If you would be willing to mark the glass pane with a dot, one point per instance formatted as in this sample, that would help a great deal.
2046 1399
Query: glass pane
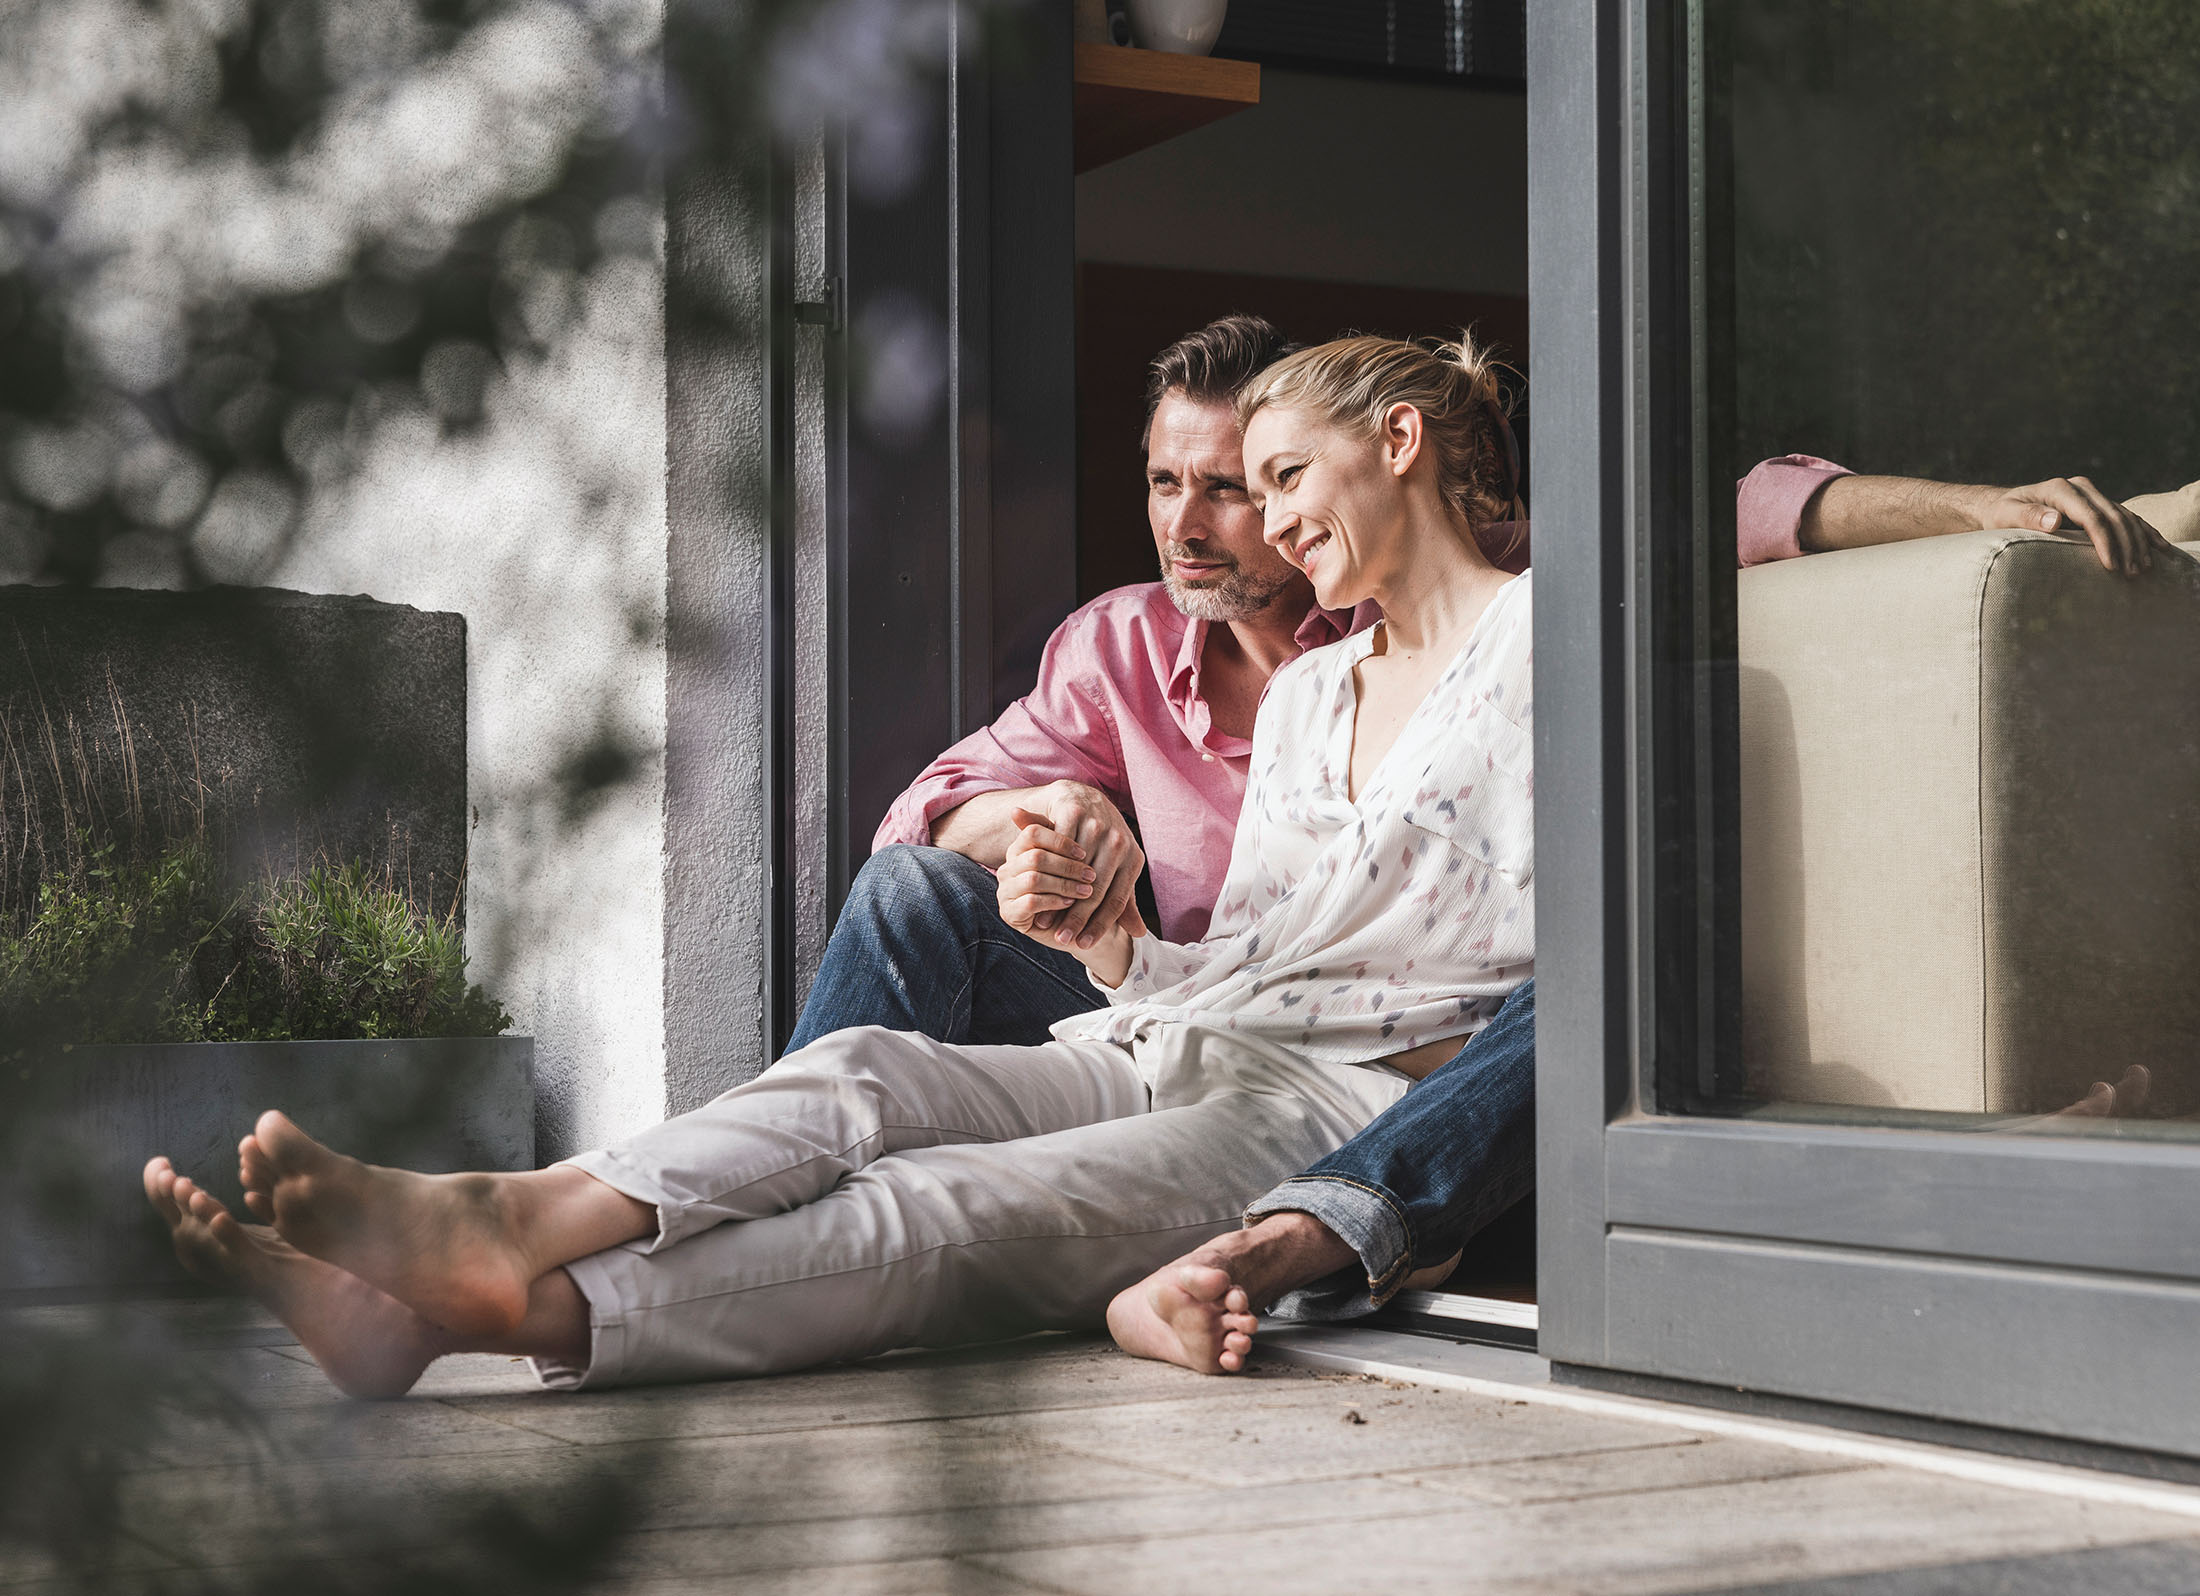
1955 248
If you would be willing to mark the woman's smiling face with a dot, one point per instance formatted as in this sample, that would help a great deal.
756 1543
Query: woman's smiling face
1331 503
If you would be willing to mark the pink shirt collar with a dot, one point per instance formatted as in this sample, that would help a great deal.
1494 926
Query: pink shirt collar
1321 627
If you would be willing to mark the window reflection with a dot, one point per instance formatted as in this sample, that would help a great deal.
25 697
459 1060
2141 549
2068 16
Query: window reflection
1953 249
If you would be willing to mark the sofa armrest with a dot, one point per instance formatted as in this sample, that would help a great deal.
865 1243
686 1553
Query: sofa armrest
1970 825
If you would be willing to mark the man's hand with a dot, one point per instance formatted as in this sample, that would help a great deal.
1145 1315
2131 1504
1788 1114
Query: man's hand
1086 818
1044 880
2075 508
985 827
1858 512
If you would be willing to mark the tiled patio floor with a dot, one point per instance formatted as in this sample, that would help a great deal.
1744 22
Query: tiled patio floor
1057 1465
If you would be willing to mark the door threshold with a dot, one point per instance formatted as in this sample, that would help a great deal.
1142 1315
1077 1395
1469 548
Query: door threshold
1461 1316
1512 1375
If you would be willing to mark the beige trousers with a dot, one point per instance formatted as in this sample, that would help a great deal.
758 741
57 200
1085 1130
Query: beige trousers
879 1189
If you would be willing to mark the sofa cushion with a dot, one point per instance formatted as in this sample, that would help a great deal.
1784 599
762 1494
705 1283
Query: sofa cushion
2175 515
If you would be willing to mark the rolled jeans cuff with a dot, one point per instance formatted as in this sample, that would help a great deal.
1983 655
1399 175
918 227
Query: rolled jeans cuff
1368 1220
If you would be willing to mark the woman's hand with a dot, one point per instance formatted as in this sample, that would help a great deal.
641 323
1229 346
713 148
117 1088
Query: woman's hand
1044 874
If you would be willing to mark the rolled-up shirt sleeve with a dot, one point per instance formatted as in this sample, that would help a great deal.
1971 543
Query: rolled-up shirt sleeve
1059 731
1769 505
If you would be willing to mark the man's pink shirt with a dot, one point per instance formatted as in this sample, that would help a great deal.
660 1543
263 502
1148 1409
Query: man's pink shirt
1118 706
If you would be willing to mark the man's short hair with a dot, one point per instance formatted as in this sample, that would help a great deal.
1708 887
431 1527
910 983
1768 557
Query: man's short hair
1209 366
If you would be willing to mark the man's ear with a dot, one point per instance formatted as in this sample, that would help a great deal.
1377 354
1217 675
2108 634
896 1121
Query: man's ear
1401 437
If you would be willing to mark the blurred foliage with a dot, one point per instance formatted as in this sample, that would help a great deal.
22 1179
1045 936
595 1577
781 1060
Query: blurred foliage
1964 235
150 952
244 245
238 237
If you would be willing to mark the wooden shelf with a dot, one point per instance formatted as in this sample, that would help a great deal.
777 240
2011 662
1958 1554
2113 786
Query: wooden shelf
1128 100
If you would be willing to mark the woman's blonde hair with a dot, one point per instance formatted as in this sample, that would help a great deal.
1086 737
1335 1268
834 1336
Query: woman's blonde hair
1353 382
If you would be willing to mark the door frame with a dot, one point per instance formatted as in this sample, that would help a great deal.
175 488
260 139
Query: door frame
2046 1285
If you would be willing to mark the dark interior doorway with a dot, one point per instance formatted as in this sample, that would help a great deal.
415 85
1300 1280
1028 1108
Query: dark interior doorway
1371 202
1366 202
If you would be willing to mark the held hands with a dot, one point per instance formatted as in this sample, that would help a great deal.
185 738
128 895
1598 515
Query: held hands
1101 840
1048 890
2075 508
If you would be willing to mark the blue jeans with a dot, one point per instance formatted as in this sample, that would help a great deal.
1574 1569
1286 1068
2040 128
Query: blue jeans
921 946
1450 1156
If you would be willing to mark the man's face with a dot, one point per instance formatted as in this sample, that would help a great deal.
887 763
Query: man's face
1214 561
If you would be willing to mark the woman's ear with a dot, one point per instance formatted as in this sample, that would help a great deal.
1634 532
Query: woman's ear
1401 437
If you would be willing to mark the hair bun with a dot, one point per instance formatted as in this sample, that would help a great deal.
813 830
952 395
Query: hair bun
1352 383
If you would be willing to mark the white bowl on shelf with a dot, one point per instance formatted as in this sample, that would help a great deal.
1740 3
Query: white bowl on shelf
1180 27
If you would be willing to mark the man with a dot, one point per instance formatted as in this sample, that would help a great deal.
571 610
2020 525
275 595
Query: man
1144 710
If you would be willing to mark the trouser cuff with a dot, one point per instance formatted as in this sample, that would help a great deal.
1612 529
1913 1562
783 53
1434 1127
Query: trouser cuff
1368 1220
626 1176
606 1332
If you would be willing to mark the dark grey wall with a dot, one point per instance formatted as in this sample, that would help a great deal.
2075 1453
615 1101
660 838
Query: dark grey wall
312 726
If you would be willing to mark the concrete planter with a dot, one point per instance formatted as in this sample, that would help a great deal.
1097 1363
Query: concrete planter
76 1220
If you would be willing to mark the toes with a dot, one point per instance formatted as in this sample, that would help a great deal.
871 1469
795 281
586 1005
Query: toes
1244 1323
204 1205
279 1138
255 1170
1203 1283
1237 1301
1238 1343
260 1205
160 1176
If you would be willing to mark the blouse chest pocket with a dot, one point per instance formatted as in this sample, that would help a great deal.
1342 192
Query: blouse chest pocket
1476 790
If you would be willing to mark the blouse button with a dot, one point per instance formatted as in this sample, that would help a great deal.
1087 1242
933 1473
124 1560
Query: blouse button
1209 758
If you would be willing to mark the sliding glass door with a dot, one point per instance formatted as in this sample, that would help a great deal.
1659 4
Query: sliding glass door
1869 902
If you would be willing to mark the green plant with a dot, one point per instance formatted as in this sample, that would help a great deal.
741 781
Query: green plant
153 952
107 955
334 953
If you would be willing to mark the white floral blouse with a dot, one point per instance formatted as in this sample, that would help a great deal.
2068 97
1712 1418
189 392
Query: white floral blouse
1349 930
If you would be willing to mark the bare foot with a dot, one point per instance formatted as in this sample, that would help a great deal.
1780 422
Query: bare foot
367 1342
1189 1313
443 1245
1433 1276
1200 1311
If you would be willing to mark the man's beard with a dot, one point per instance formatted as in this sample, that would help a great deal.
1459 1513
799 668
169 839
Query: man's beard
1234 595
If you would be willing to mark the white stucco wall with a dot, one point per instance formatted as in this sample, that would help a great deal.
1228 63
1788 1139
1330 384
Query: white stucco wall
544 524
546 530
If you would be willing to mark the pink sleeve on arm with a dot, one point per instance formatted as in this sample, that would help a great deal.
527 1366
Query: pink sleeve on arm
1769 505
1056 732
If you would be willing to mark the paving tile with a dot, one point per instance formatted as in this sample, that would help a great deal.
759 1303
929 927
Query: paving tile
1053 1372
1671 1465
876 1472
1167 1509
282 1435
2154 1568
1319 1429
20 1567
933 1577
1653 1544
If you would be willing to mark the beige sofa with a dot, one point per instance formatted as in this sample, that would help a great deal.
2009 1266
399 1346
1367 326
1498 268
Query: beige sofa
1971 823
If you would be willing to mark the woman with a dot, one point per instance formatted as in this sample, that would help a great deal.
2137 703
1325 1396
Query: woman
878 1189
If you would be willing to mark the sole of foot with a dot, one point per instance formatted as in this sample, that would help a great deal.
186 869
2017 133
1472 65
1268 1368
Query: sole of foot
368 1343
1188 1314
439 1244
